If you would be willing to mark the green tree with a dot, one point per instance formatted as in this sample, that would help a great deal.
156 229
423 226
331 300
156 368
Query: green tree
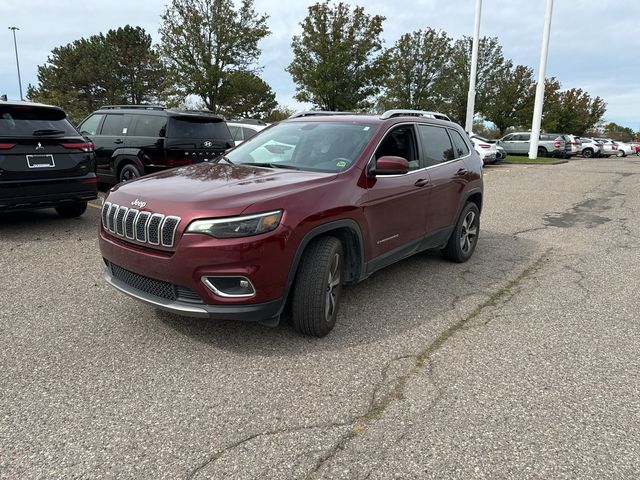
204 41
571 111
491 67
513 97
244 94
417 67
618 132
337 62
121 67
279 113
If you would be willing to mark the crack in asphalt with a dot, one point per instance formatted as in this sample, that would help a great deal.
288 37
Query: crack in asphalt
423 359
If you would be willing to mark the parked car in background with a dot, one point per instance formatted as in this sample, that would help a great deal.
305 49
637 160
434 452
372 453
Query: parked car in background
44 161
501 153
134 140
574 143
549 145
485 148
590 147
244 131
248 236
625 149
609 147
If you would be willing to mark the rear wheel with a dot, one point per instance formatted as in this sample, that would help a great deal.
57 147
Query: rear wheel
318 287
129 172
620 153
587 153
542 152
464 237
71 210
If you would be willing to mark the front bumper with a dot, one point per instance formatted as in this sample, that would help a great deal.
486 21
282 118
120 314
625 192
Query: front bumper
268 312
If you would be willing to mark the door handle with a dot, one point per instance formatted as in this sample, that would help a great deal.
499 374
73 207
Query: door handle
118 141
421 182
462 172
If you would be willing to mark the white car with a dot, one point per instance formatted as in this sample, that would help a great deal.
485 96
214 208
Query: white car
625 149
485 148
244 131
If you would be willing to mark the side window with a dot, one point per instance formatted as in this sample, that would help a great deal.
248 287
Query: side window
236 132
508 138
248 133
459 145
400 142
116 124
149 126
524 137
436 144
91 124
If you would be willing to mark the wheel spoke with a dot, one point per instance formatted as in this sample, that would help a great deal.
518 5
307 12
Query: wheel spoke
472 232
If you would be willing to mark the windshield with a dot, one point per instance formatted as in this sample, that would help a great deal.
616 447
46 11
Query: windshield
313 146
27 121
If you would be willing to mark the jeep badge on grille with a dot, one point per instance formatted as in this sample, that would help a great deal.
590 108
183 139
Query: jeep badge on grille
138 203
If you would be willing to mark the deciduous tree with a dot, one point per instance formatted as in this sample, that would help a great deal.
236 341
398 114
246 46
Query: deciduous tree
205 41
337 62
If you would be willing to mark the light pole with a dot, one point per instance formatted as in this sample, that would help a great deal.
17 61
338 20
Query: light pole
539 102
471 97
15 46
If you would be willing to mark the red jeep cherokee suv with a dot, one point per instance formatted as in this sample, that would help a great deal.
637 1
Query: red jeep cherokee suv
293 214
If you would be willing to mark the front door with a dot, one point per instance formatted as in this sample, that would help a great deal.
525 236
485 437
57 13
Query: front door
395 205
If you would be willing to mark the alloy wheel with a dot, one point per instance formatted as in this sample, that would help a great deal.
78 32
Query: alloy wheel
333 281
468 233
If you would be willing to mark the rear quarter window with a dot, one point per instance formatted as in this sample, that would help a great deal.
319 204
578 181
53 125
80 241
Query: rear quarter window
27 121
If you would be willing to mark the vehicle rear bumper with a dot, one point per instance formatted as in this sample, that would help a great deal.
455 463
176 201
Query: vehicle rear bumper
267 312
25 195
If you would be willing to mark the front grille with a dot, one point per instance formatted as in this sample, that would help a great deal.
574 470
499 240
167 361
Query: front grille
151 286
143 227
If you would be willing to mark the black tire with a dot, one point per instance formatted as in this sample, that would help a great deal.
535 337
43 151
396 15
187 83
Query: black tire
464 238
316 294
129 172
71 210
542 152
587 153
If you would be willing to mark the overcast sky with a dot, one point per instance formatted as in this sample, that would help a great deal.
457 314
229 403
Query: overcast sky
594 45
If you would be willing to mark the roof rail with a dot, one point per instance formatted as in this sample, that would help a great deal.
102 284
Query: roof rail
134 107
312 113
414 113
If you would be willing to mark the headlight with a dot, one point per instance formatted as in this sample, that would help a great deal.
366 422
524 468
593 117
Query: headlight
232 227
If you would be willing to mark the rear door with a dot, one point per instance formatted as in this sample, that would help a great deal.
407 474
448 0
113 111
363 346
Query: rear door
448 172
147 134
112 137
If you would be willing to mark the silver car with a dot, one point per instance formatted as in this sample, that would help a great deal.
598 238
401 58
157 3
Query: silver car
590 147
609 147
549 145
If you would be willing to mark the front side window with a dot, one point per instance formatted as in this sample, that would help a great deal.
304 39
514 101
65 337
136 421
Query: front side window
436 145
90 125
312 146
400 142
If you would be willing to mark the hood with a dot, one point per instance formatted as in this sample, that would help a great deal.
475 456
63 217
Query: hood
208 189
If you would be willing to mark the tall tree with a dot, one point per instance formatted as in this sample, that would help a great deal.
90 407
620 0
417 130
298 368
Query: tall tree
204 41
337 62
417 66
491 66
512 98
244 94
571 111
121 67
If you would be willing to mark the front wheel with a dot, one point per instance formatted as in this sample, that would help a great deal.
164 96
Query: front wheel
318 287
71 210
129 172
587 153
464 238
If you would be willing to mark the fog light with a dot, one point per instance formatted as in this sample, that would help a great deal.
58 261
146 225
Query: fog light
230 286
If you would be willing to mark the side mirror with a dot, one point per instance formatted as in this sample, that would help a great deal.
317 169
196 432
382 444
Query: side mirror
389 165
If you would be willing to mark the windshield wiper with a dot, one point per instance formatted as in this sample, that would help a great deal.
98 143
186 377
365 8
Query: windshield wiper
47 131
225 158
273 165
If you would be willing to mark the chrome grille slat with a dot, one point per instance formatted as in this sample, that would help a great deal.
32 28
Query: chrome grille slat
141 227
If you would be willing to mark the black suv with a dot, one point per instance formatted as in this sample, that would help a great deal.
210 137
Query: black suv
134 140
44 161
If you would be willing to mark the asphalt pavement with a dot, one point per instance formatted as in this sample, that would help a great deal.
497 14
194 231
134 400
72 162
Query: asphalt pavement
521 363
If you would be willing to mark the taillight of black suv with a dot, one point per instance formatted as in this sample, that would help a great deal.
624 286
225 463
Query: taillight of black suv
135 140
44 161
